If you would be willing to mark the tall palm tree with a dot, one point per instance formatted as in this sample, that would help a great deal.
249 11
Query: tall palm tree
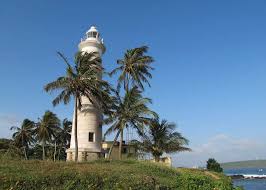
46 129
161 137
134 68
63 136
129 111
82 79
23 136
56 140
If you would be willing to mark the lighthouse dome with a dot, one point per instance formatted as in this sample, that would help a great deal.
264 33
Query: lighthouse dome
92 32
92 29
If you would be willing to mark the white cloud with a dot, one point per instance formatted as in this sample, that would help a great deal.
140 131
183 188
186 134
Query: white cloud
223 148
6 121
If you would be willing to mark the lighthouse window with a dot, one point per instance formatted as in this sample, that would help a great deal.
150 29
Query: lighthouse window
92 34
91 137
124 150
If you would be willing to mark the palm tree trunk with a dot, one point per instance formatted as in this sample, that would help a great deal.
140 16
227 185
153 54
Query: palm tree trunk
43 151
25 153
75 129
24 148
59 150
111 148
54 150
120 145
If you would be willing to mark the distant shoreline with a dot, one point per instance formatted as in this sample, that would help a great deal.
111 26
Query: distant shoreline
244 164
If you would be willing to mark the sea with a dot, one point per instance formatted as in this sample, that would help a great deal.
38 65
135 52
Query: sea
249 184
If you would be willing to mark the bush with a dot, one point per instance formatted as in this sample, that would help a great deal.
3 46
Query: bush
213 165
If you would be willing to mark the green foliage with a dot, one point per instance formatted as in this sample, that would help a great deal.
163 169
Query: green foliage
23 136
161 137
27 139
5 144
104 174
9 150
130 111
213 165
195 179
47 127
134 68
81 79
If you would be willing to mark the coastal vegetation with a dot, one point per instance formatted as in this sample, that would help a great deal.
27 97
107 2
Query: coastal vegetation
47 138
23 136
160 138
103 174
130 111
213 165
45 130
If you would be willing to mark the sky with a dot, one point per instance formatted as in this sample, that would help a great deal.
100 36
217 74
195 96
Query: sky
210 65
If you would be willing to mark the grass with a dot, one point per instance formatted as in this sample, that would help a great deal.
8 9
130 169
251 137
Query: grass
102 174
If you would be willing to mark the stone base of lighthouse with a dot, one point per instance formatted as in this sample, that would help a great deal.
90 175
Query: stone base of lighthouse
83 155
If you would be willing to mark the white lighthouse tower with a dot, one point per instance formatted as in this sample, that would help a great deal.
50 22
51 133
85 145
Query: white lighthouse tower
89 124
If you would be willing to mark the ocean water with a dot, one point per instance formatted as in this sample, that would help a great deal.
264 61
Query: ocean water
249 184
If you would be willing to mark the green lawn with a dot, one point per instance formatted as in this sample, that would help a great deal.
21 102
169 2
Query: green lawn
105 175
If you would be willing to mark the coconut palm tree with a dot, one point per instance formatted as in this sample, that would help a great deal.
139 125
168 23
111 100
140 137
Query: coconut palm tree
46 129
23 136
63 136
134 68
82 79
129 111
160 138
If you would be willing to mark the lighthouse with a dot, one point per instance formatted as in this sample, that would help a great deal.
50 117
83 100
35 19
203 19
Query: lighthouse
89 123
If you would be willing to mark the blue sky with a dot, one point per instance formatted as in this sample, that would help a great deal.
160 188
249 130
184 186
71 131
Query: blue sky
210 75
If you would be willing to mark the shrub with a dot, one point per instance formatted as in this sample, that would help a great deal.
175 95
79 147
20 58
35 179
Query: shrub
213 165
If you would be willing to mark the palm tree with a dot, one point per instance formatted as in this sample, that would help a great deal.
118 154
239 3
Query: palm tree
129 111
134 68
23 136
63 136
56 140
161 138
82 79
46 129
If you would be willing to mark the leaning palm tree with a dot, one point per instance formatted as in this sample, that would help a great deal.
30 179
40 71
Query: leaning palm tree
161 138
46 129
135 68
129 111
23 136
81 80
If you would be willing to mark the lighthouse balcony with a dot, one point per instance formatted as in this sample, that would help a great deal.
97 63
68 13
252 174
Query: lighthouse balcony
94 39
